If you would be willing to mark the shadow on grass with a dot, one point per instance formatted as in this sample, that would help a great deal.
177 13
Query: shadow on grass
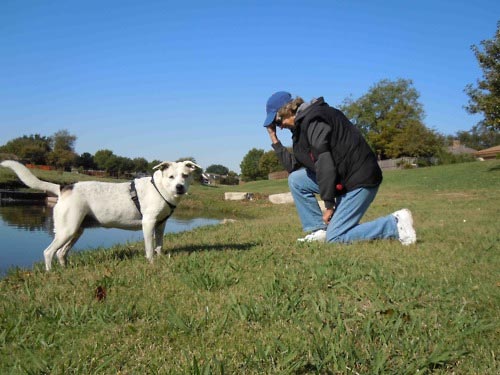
121 253
495 168
221 247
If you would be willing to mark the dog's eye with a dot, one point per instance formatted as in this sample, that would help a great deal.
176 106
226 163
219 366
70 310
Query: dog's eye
171 177
185 175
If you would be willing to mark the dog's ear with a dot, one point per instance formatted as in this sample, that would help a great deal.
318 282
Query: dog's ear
191 165
163 165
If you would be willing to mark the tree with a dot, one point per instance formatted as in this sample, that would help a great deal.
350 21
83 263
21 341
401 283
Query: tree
34 148
153 163
62 140
384 112
119 165
63 154
217 169
415 141
85 161
485 98
250 165
104 159
140 165
269 163
123 166
230 179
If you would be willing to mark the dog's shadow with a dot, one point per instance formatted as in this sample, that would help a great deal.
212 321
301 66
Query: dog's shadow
494 168
219 247
129 251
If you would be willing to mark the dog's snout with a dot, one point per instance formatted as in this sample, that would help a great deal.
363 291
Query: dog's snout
180 189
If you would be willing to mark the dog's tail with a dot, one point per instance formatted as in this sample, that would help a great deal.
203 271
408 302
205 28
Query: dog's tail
29 179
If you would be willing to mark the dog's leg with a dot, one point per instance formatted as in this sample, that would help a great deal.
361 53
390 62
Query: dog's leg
148 228
159 230
62 253
66 226
59 241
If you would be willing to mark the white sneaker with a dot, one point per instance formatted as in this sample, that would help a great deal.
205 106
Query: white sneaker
319 235
407 235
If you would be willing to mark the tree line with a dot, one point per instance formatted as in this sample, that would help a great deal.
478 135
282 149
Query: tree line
389 115
57 151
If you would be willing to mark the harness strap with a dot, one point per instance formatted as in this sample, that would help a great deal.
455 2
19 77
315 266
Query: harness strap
135 199
172 206
133 195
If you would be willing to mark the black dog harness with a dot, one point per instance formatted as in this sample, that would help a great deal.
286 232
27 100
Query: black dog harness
135 199
133 195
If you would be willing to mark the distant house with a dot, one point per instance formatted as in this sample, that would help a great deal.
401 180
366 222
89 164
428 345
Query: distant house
458 149
205 179
211 178
489 153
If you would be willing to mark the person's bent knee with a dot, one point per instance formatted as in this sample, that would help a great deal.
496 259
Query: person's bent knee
295 179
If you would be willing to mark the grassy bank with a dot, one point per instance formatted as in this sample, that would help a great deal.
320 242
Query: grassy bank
244 297
8 179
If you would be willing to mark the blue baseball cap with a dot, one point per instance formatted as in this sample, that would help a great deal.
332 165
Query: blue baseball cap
274 103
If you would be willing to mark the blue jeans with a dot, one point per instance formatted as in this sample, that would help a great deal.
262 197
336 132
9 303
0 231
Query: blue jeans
344 226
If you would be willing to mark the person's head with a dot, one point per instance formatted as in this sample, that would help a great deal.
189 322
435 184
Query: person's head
285 117
280 106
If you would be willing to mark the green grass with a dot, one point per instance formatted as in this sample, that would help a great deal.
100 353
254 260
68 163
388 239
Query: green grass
246 298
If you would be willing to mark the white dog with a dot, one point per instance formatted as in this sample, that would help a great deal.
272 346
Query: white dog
144 203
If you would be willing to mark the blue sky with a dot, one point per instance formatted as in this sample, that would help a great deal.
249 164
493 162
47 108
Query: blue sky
165 80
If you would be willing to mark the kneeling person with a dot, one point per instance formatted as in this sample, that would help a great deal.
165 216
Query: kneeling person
331 158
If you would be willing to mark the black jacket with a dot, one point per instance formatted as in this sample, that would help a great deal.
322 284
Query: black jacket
328 144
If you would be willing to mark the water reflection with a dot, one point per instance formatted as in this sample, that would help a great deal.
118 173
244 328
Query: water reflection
26 229
27 216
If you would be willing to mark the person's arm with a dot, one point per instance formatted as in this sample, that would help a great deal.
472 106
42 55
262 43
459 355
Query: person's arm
271 130
284 156
319 136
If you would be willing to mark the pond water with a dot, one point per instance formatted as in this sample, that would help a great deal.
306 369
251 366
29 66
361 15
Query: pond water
27 229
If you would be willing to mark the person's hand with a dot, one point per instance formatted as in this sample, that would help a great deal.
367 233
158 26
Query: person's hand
327 215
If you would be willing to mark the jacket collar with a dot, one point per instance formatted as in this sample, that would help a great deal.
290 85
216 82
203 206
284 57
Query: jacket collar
305 108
